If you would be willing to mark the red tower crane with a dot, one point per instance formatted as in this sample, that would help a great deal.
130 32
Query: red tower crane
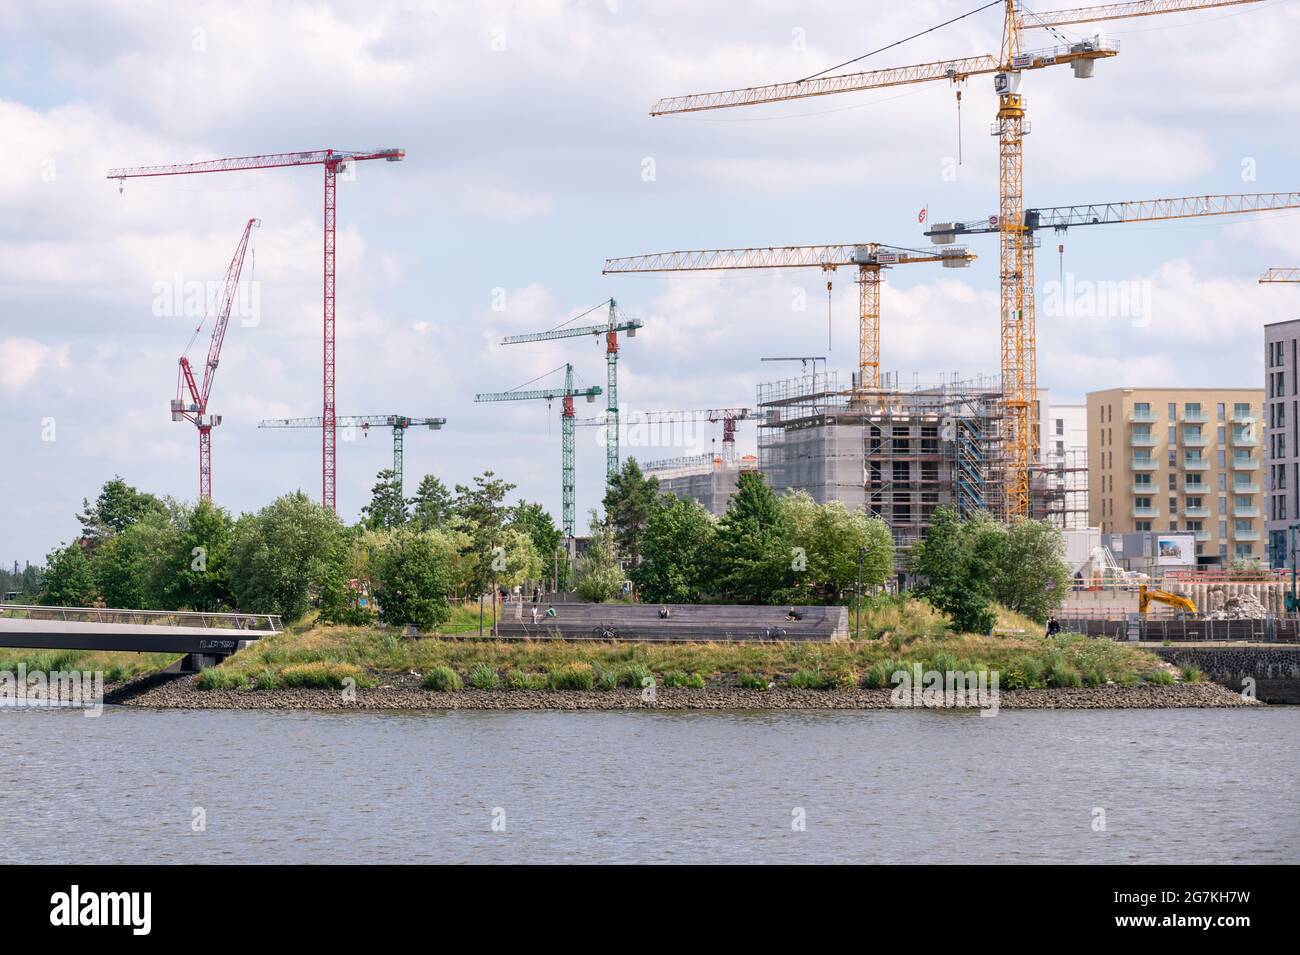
196 409
333 160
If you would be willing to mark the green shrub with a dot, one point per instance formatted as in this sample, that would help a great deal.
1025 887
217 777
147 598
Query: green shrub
443 679
1060 674
320 674
607 680
808 680
268 679
484 677
573 676
676 679
1160 677
1191 672
635 675
841 678
522 680
880 675
753 681
1094 675
215 678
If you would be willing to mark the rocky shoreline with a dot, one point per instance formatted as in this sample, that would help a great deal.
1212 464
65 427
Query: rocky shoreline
169 691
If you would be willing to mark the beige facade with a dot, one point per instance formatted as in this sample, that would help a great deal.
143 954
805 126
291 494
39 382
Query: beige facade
1183 459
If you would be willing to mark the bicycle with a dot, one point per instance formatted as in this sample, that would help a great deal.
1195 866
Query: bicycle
777 633
604 632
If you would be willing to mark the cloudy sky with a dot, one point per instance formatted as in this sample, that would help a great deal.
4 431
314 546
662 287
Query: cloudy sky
531 157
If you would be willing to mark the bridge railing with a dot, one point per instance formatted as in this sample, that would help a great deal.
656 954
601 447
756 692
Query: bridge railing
260 622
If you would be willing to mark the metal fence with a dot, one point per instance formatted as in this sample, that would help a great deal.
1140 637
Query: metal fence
261 622
1188 629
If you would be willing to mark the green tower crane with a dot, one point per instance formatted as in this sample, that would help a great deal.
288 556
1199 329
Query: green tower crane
399 424
567 394
610 330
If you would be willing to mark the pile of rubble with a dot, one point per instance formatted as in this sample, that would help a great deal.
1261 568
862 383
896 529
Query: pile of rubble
1243 607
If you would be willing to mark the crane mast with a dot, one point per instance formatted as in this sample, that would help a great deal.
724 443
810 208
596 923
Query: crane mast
195 410
567 443
610 332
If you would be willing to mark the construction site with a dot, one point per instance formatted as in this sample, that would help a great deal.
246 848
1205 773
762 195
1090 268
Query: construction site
983 443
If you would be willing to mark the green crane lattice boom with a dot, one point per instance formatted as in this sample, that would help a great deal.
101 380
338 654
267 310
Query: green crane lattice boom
567 394
610 330
399 424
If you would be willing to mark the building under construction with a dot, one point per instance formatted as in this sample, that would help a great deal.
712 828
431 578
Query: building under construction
709 479
897 453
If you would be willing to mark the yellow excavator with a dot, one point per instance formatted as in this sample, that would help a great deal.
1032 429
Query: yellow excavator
1178 601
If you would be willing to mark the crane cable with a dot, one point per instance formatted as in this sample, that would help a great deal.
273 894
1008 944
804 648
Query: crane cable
939 26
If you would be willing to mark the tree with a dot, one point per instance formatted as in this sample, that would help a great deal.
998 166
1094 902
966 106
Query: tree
1032 577
387 507
412 582
956 565
279 555
831 539
346 579
630 500
537 523
137 567
753 559
197 564
68 579
432 505
676 550
599 578
117 507
481 513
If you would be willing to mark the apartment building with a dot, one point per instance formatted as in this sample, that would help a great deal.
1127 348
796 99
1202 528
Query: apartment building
1179 459
1281 439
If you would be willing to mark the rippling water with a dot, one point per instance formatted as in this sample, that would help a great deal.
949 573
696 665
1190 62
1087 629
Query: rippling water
1176 786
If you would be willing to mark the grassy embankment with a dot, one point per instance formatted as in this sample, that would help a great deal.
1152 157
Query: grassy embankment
895 635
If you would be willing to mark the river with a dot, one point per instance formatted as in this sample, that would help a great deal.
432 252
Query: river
141 786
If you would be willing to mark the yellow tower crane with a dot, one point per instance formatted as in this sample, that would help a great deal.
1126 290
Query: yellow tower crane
869 257
1017 321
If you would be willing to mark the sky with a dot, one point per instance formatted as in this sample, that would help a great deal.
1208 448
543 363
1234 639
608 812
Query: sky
530 158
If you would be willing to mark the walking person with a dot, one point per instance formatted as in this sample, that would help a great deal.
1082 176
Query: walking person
1053 625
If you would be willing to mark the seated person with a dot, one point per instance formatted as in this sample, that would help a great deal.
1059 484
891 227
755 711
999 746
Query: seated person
664 613
793 614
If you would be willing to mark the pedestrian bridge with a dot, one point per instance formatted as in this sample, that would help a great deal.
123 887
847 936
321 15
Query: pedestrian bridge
204 636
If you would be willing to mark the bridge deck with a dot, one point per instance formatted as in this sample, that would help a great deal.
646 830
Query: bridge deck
89 628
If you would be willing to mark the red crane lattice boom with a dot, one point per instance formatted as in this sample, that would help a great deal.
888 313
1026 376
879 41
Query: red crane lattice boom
332 160
196 410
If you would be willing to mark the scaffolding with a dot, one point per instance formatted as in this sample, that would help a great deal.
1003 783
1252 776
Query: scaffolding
707 479
895 453
1060 489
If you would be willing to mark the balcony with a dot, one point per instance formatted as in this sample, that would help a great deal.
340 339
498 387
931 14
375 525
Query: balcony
1245 535
1245 464
1245 512
1195 440
1144 464
1195 416
1145 511
1202 536
1196 464
1145 488
1197 511
1245 488
1142 440
1142 416
1245 439
1242 417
